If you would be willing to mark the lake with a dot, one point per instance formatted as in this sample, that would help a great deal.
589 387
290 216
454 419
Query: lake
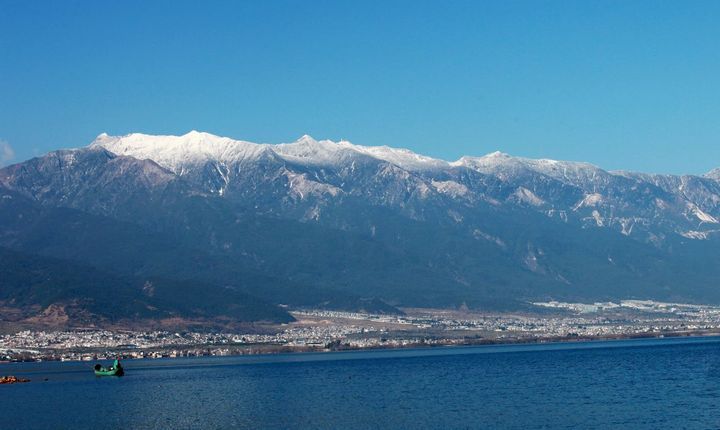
634 384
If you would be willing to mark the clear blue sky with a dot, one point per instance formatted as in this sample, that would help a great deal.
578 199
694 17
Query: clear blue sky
623 84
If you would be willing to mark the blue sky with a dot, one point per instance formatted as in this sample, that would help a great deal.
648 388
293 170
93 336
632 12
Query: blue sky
623 84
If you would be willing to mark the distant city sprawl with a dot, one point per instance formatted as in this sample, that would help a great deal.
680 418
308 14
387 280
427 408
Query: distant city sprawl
322 330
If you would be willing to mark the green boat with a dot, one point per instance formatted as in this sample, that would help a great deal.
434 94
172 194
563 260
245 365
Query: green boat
115 370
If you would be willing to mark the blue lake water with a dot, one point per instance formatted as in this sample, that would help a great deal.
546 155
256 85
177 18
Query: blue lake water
638 384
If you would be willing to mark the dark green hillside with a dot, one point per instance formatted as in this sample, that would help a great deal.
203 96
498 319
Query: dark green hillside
31 280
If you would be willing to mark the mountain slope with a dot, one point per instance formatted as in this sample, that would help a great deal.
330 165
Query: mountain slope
84 294
320 223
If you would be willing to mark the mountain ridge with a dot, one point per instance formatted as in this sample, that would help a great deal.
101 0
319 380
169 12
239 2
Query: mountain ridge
591 180
402 157
138 144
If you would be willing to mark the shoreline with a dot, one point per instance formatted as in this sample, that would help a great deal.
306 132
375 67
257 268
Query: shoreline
226 350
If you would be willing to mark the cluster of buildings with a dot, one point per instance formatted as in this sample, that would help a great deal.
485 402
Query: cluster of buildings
331 330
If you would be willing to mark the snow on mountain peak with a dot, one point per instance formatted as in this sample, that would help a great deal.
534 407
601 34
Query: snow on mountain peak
402 157
178 153
492 158
497 154
713 174
306 138
329 152
181 153
504 166
311 151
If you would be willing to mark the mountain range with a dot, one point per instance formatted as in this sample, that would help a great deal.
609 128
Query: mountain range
207 227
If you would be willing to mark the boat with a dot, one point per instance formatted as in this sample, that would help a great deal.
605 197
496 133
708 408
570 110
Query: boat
115 370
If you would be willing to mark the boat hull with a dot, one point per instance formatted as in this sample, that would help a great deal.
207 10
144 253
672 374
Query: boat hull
104 371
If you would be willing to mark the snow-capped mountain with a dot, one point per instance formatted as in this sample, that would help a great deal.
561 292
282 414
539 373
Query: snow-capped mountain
344 220
646 206
193 148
